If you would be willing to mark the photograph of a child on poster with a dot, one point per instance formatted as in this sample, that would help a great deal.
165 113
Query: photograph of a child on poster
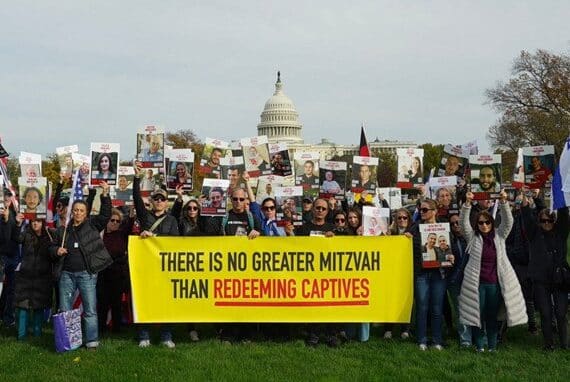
375 221
485 176
256 156
33 197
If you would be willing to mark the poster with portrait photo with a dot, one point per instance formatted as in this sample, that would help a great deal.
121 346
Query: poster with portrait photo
307 172
333 179
256 156
2 206
289 205
454 161
364 177
33 197
30 165
280 159
122 192
436 247
233 169
104 163
410 167
392 196
83 164
266 186
375 221
65 160
470 147
215 192
180 169
535 167
150 147
214 149
485 176
443 190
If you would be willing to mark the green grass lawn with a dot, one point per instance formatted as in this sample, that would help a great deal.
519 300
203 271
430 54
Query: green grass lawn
119 359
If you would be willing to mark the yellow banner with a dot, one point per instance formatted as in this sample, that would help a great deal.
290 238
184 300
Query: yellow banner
271 279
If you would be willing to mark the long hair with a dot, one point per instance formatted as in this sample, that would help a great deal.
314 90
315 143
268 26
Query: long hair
394 226
487 216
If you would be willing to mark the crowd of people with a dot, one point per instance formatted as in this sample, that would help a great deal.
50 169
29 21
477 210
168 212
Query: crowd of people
506 262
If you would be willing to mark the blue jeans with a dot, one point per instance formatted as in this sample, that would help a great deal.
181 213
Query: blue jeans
430 291
69 282
463 331
490 299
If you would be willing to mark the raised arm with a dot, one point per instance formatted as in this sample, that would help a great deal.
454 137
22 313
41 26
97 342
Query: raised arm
464 217
506 225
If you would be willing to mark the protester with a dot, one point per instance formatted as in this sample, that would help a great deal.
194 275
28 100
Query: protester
489 279
548 251
82 255
156 222
430 284
11 257
34 278
114 281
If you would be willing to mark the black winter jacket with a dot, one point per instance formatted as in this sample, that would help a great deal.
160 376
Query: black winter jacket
168 226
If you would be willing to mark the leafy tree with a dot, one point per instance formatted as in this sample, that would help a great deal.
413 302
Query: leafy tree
387 168
432 157
534 104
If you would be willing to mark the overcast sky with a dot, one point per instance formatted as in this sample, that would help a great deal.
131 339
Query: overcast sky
75 72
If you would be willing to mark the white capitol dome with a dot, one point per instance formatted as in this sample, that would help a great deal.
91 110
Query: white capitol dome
279 119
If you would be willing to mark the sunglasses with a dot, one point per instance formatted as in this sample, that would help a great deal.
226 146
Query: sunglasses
307 202
402 218
339 220
159 199
425 210
484 222
238 199
193 208
114 220
268 208
319 208
454 223
546 221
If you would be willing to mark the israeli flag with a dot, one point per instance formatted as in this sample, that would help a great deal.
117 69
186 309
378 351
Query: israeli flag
561 180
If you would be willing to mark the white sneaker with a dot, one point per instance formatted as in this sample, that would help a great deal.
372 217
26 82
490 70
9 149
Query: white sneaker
194 336
423 347
388 335
405 335
438 347
144 343
169 344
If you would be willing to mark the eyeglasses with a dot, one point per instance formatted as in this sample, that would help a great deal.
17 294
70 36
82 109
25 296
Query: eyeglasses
546 221
402 218
115 220
268 208
339 220
319 208
425 210
159 199
484 222
238 199
193 208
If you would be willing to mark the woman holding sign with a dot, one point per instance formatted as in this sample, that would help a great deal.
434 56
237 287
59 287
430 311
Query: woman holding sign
430 283
489 279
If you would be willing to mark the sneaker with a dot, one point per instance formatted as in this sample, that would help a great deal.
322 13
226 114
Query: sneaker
194 336
423 347
169 344
144 343
388 335
92 345
492 350
405 335
480 350
438 347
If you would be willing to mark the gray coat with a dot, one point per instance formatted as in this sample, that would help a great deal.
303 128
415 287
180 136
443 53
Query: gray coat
469 310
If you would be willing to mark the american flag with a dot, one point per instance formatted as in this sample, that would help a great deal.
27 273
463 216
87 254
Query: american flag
77 195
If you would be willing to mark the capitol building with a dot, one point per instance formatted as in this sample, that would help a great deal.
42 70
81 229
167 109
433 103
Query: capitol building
280 123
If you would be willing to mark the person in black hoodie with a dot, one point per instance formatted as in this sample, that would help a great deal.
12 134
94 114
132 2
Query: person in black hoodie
82 255
547 238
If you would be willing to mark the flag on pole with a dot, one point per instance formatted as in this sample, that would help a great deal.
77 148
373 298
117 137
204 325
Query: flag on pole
561 180
77 195
364 148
